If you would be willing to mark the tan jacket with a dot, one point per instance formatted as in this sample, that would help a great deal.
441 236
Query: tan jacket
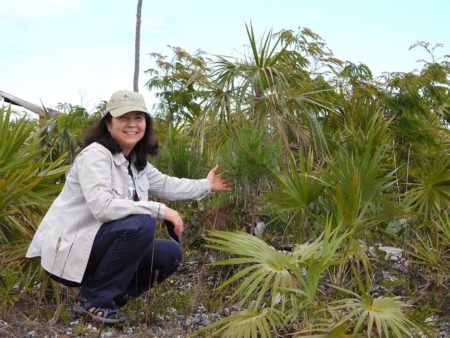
95 192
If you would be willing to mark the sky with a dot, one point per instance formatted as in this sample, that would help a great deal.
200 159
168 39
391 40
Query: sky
81 51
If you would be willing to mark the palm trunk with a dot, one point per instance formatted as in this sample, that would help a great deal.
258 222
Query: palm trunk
137 47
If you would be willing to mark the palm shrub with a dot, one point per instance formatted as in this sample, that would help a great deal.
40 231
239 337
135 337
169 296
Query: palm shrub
353 188
28 184
275 84
361 194
275 286
283 291
384 316
356 182
429 192
296 196
359 173
358 309
369 156
248 155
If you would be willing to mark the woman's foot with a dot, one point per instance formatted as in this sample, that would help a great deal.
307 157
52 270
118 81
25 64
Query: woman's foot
101 314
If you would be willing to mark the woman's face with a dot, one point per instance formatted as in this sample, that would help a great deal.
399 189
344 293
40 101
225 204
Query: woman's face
127 130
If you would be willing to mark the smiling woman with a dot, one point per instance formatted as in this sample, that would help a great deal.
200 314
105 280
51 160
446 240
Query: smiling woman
99 233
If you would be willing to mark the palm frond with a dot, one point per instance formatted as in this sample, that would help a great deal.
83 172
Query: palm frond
297 186
384 315
28 179
270 269
362 174
273 273
431 194
248 323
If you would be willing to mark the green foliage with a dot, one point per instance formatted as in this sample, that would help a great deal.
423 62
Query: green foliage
63 134
419 103
432 254
28 180
298 188
371 156
177 157
443 226
14 279
281 283
312 144
179 85
361 177
384 315
430 194
247 156
248 323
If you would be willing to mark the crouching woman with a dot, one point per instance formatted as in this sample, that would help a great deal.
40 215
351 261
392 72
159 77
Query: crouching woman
99 233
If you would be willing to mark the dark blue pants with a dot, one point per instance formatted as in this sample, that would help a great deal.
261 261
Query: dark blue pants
125 261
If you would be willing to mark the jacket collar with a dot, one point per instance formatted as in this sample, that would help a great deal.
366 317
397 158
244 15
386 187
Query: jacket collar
119 159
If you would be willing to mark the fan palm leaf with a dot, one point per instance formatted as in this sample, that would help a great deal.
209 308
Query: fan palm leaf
296 187
248 323
430 195
269 269
362 175
384 315
280 274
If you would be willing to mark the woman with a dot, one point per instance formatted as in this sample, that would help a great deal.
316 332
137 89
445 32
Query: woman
99 233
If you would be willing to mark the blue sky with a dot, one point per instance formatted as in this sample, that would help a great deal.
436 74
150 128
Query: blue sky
80 51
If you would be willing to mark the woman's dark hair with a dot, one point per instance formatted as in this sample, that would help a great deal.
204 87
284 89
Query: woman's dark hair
147 146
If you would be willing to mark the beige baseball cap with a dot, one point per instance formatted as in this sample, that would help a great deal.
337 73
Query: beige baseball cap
125 101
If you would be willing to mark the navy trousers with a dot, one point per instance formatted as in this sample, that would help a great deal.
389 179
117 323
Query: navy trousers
125 261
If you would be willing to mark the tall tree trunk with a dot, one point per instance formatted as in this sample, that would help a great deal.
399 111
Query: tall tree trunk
137 47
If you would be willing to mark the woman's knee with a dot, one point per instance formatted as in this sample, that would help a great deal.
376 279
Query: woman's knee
168 255
142 223
142 226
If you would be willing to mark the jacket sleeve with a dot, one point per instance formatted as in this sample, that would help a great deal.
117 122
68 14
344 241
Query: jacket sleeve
173 188
94 174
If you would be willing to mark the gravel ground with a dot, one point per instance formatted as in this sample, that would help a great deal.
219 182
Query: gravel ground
169 323
176 315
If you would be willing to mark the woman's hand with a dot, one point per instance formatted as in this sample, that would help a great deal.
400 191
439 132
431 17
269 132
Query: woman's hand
174 217
218 183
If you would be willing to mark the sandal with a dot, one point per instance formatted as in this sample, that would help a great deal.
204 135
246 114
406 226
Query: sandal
105 315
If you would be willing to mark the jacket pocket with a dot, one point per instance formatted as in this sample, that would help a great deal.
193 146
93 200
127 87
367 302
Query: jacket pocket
142 187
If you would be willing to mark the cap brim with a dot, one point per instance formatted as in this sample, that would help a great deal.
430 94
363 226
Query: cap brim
123 110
